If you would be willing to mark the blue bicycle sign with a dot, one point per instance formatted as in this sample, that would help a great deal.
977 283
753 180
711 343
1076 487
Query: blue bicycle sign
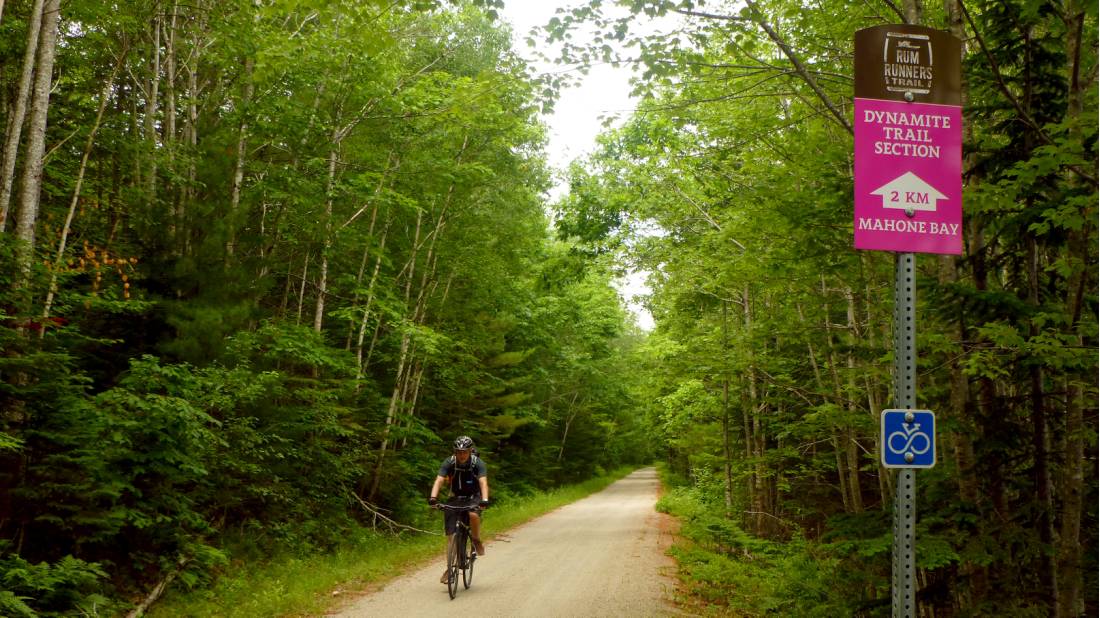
908 438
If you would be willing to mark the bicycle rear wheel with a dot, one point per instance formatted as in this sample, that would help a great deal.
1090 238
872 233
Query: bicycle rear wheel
452 566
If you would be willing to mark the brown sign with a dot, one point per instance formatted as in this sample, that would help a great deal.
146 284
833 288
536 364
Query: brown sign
908 63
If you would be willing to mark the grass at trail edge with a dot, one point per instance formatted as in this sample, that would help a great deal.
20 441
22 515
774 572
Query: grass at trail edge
294 585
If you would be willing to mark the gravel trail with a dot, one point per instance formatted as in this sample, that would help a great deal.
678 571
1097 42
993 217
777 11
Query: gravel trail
600 556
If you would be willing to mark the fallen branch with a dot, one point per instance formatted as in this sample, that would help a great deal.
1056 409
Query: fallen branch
391 524
158 590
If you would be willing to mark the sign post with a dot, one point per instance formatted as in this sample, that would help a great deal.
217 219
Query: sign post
908 199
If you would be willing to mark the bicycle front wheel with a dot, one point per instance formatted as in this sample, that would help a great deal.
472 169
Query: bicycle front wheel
468 566
452 567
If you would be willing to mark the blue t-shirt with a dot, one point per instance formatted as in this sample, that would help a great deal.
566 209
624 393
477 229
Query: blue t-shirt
464 478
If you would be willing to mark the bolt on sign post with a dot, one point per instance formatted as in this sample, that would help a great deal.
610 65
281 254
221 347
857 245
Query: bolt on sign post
908 200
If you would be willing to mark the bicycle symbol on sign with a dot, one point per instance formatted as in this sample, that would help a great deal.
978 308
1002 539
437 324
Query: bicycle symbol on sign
912 441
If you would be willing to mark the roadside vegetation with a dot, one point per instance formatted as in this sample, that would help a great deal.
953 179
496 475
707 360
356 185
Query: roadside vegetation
726 570
286 585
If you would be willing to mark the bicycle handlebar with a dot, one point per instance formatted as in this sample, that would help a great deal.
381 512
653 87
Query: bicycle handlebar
451 507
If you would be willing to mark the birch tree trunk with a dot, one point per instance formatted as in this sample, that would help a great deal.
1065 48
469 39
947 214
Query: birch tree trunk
170 137
572 415
302 289
19 112
238 165
753 437
852 443
322 282
727 465
366 255
152 94
59 260
362 270
410 266
419 373
192 134
359 362
170 76
402 360
36 143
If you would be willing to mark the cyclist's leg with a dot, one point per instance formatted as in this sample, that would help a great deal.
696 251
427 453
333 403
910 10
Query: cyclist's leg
475 532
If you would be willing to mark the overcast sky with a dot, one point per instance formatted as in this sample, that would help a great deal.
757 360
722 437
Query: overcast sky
578 114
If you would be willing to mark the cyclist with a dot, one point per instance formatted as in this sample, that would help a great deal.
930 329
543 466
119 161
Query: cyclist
465 472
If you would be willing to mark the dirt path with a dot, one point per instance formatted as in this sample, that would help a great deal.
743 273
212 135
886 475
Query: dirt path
600 556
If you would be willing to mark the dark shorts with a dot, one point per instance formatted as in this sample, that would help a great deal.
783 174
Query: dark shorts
450 518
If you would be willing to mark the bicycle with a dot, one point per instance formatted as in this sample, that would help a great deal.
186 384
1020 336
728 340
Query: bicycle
461 553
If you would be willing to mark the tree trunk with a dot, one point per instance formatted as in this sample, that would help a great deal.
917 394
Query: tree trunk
412 401
362 269
170 137
19 112
572 414
1070 571
238 165
852 439
748 400
403 357
152 94
192 133
912 11
753 434
727 455
391 414
170 77
1048 575
59 261
36 143
322 285
359 362
302 289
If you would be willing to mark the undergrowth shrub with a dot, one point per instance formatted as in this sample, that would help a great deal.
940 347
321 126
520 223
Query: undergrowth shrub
725 566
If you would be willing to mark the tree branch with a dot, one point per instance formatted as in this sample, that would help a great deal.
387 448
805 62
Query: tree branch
710 15
800 68
389 522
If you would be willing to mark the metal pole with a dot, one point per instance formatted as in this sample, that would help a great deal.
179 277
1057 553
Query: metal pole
903 585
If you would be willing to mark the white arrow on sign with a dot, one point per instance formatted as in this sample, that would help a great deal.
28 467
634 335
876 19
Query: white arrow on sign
909 191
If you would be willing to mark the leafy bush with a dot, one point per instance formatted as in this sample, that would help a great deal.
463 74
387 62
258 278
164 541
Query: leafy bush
43 589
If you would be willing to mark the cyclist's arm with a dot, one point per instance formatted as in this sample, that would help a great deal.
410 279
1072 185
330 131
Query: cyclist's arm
484 482
439 480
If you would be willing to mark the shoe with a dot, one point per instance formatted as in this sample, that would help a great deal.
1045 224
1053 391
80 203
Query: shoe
478 547
446 579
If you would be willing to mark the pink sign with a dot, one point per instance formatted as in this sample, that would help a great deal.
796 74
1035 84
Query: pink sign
908 177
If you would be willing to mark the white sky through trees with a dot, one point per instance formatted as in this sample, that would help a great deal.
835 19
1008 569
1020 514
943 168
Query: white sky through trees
579 114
